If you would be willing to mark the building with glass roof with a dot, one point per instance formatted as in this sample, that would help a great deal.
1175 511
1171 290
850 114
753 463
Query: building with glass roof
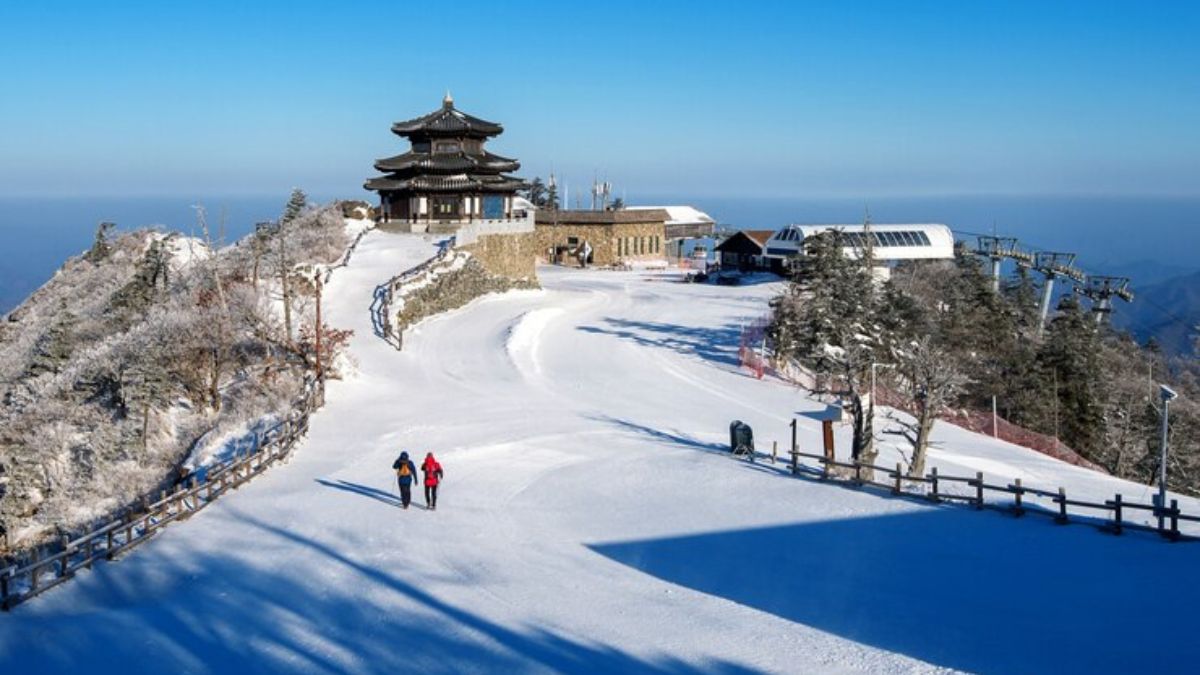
888 242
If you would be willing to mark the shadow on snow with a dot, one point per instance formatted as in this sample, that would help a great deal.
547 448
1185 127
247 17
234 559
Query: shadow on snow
228 614
953 588
716 344
366 491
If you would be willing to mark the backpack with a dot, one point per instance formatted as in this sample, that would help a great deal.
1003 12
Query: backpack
403 470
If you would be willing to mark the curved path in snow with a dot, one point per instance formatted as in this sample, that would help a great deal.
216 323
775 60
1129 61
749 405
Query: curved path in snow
591 521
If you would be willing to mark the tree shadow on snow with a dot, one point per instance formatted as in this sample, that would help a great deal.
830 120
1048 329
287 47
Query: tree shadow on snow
665 437
718 344
978 592
226 611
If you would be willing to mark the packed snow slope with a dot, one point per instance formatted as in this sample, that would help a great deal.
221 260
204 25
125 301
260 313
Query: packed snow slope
590 520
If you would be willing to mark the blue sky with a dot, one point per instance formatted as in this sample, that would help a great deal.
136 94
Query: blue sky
737 99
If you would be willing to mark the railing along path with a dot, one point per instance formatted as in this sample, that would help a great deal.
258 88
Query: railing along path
1020 499
137 524
381 306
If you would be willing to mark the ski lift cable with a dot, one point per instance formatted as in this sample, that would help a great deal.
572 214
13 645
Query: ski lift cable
1175 318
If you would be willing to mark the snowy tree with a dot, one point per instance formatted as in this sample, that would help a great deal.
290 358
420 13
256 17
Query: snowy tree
100 248
934 380
826 320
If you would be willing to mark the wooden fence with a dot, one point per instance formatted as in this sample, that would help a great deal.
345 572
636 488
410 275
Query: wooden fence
193 492
381 307
1018 499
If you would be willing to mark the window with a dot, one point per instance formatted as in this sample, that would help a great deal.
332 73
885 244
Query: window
620 247
447 146
572 241
923 238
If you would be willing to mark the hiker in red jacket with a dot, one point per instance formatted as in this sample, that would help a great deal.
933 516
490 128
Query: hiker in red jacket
433 476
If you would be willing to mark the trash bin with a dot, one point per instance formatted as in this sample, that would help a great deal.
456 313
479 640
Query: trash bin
740 436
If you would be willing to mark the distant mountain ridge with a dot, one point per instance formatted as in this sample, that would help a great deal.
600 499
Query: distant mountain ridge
1168 311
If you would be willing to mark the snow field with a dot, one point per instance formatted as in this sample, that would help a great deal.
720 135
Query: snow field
590 520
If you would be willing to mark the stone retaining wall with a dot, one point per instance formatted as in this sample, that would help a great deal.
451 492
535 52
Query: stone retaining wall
507 255
455 285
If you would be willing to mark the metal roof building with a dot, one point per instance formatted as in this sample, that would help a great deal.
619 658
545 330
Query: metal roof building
890 242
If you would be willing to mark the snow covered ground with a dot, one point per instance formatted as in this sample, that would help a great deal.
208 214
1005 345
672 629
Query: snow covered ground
590 520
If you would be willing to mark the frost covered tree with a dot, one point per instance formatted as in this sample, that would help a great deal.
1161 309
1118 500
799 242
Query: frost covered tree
120 363
100 248
934 380
826 320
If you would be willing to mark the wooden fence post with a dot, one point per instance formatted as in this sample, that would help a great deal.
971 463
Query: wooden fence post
1018 508
66 557
858 472
1117 514
1174 534
35 572
933 483
896 488
4 591
1062 506
795 450
129 520
978 490
774 451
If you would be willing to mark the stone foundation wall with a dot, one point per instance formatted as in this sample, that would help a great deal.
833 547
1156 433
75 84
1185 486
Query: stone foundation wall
513 256
453 287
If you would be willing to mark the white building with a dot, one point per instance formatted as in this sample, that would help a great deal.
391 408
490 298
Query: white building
927 241
685 225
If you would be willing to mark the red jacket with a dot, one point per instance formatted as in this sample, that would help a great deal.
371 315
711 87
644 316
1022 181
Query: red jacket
433 471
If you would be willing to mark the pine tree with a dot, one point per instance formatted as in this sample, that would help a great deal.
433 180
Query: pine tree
1069 359
296 205
535 192
826 321
100 247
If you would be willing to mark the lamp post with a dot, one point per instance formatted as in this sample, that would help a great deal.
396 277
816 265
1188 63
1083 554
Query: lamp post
1167 394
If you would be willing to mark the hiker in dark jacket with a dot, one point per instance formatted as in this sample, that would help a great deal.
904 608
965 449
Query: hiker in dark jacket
433 476
406 473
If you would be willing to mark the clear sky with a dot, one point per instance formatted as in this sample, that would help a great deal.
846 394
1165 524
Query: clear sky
724 98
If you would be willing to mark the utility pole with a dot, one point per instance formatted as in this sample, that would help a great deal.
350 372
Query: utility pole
1054 266
320 371
995 419
1056 408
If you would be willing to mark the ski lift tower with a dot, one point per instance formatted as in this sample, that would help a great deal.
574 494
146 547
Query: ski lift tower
1101 290
1054 266
997 249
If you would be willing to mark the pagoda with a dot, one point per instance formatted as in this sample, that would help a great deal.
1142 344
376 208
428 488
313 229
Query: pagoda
447 178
